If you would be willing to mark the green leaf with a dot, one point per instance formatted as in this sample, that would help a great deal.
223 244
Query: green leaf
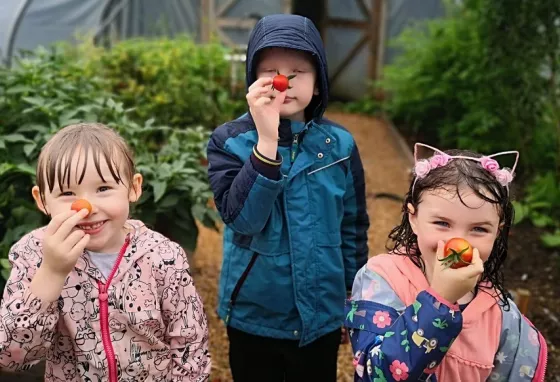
5 263
37 101
159 189
551 240
15 138
28 148
388 334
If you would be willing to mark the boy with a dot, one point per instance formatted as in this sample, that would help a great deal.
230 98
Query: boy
289 186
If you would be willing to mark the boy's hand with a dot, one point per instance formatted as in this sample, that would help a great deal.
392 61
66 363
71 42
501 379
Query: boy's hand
63 243
265 110
452 284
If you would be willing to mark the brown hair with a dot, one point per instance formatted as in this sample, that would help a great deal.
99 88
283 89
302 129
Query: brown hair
55 160
451 177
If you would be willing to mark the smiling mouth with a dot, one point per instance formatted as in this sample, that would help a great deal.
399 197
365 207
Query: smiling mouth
91 226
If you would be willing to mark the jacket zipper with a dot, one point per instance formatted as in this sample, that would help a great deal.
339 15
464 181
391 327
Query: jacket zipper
104 316
295 144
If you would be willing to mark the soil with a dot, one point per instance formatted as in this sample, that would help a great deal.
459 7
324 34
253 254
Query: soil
387 167
537 269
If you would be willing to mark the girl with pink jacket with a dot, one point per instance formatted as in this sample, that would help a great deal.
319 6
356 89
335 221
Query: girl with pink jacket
417 314
99 296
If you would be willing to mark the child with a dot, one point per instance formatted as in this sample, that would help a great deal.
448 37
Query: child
289 185
99 296
411 317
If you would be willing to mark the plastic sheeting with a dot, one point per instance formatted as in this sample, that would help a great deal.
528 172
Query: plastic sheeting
352 83
47 21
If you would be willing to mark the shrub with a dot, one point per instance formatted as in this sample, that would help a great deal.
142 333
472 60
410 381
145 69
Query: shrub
175 81
46 91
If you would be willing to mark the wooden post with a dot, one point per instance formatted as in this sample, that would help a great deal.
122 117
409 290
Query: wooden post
204 21
374 32
522 300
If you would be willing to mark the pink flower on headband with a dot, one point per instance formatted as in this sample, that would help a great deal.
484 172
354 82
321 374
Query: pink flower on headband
489 164
503 176
439 160
422 168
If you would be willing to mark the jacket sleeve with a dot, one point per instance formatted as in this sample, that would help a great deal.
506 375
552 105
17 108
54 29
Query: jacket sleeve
355 222
522 353
393 342
187 325
243 196
28 324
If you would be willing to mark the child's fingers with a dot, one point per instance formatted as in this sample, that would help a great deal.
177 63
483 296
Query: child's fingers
261 82
80 246
57 221
439 252
68 225
74 238
439 256
279 99
262 101
475 268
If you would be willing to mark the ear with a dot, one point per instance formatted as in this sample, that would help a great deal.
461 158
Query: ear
38 201
316 90
135 188
412 218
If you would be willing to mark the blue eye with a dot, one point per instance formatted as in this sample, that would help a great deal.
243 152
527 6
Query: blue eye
480 229
104 188
441 223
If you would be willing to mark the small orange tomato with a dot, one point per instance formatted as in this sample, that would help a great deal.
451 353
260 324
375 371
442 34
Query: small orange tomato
80 204
457 253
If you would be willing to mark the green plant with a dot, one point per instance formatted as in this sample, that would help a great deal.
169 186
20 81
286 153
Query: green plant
481 78
175 81
541 206
48 90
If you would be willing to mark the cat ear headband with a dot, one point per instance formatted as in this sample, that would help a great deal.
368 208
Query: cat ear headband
422 167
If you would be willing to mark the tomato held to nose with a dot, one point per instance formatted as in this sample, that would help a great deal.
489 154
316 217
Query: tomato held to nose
80 204
457 253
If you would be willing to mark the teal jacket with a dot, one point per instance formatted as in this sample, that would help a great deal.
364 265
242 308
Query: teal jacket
295 237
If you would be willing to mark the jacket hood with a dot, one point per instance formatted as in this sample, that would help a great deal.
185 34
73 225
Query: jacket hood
293 32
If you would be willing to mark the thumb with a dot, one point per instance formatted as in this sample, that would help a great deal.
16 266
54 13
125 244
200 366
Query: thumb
279 99
439 256
475 268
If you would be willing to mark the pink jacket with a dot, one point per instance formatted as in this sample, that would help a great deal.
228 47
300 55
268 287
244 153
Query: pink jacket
490 344
145 323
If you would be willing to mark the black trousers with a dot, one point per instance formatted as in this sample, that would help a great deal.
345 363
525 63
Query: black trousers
254 358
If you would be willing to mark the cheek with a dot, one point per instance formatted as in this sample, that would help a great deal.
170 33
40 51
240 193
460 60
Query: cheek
484 247
119 207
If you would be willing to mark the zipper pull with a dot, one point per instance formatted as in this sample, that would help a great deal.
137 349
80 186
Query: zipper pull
294 148
103 296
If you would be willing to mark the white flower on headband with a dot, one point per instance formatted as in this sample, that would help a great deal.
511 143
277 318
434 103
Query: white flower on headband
503 176
422 168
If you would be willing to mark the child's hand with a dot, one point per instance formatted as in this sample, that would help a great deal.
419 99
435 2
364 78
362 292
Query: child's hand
266 113
452 284
63 243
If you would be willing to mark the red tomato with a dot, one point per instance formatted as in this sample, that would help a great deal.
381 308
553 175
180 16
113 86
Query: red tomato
280 82
80 204
457 253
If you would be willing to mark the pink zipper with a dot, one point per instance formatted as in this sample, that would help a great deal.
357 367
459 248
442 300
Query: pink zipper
104 316
540 371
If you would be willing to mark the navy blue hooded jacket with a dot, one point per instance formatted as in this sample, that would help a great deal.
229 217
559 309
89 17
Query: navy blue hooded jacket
297 238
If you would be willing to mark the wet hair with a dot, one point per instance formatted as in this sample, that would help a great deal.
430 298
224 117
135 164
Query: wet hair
456 174
55 160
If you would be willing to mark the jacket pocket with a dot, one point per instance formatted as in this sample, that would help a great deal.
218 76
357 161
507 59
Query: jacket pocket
328 239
